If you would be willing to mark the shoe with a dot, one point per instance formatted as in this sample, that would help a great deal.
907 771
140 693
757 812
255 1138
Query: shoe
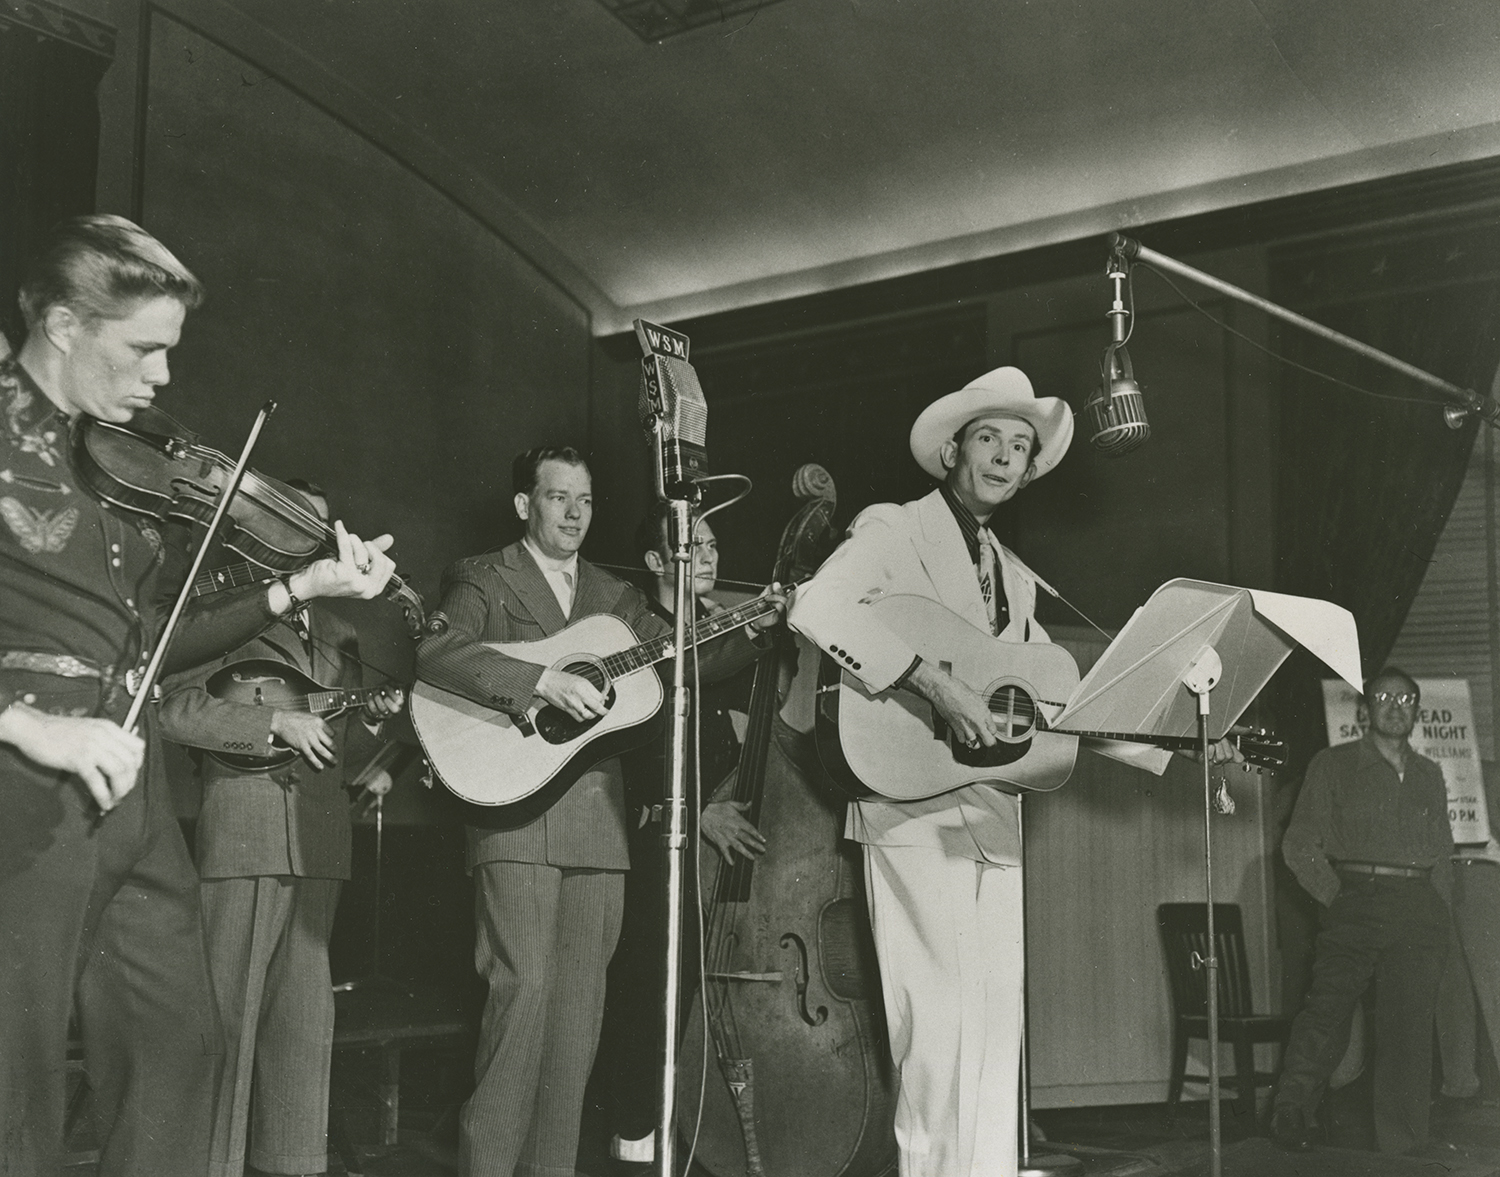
1289 1129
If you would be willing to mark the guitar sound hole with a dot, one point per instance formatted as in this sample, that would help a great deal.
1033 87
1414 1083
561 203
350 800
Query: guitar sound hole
1014 711
557 726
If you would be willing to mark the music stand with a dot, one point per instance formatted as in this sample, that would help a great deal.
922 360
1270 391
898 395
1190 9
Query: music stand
391 757
1191 639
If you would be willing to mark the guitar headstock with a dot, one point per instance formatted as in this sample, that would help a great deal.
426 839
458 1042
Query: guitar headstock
1260 748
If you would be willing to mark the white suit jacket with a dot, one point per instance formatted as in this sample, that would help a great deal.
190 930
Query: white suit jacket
915 548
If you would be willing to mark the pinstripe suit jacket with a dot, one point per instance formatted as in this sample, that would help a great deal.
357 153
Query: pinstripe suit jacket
502 596
291 820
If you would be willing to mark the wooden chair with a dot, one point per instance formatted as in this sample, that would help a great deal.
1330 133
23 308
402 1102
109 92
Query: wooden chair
1184 936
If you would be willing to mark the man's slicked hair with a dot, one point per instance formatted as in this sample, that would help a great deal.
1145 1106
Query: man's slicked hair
523 471
103 267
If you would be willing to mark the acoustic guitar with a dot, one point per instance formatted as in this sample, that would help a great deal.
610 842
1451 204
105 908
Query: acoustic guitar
526 761
894 744
264 682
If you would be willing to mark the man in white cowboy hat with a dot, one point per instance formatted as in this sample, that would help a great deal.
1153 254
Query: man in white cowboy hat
943 874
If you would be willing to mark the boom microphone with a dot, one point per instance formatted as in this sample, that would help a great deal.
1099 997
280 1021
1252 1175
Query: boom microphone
1116 410
672 409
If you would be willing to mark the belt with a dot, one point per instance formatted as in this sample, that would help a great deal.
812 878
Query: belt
1379 868
71 666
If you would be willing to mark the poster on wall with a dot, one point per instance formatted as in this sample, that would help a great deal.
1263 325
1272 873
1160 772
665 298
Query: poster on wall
1444 733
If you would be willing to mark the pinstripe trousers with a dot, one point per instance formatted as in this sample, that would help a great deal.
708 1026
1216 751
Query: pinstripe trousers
543 939
268 951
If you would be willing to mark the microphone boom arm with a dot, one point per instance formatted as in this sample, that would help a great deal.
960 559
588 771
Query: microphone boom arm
1463 401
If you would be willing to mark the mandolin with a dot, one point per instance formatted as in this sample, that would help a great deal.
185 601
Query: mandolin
264 682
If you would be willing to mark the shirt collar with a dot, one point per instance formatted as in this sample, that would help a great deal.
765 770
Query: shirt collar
41 402
547 563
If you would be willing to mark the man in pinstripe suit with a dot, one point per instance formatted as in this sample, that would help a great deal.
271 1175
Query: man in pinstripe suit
549 892
273 851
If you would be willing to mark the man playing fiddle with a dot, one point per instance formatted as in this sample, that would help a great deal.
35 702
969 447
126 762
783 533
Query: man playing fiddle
98 897
549 891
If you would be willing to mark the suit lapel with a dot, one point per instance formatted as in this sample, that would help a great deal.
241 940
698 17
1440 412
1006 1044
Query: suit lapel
593 591
946 557
285 640
532 587
326 663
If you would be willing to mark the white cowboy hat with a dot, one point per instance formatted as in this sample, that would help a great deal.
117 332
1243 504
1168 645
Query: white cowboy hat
1005 392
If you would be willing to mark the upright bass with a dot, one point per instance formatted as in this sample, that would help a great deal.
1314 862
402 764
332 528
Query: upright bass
799 1079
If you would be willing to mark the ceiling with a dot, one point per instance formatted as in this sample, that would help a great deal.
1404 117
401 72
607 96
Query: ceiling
813 144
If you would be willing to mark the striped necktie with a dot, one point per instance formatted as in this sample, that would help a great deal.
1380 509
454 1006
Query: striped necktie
989 573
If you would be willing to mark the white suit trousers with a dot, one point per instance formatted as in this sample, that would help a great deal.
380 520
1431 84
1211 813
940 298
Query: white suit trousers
948 935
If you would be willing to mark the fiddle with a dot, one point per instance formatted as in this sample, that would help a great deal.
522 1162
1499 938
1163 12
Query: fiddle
155 466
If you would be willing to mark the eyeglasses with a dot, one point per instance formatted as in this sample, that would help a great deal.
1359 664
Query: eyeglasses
1405 699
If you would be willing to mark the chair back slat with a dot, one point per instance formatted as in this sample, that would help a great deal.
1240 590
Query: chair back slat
1184 932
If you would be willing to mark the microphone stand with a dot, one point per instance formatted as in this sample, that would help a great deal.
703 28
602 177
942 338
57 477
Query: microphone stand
1462 402
674 836
384 760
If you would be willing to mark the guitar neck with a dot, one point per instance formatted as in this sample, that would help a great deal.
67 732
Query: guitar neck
1258 750
660 649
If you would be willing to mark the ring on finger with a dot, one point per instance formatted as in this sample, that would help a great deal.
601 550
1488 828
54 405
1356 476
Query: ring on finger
363 569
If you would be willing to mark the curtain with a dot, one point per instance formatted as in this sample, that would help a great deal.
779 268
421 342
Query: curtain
1366 485
49 147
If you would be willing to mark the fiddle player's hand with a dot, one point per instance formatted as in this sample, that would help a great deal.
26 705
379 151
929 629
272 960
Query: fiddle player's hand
725 825
102 754
387 702
307 733
774 593
959 704
361 569
571 693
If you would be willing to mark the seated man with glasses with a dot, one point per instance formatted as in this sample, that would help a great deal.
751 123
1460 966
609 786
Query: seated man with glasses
1370 840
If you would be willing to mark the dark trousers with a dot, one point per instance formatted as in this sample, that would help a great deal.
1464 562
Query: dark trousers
631 1043
109 914
1395 931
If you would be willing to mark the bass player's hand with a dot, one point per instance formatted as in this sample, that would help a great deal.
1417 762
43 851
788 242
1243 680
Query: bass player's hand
959 704
571 693
725 825
307 733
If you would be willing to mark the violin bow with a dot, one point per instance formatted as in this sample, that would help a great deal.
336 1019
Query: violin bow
164 639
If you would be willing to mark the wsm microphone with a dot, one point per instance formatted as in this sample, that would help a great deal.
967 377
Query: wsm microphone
1117 411
673 411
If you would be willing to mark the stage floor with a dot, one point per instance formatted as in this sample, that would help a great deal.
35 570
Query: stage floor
1130 1141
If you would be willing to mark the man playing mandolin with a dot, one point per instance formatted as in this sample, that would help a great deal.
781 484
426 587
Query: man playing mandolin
274 841
549 891
102 913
